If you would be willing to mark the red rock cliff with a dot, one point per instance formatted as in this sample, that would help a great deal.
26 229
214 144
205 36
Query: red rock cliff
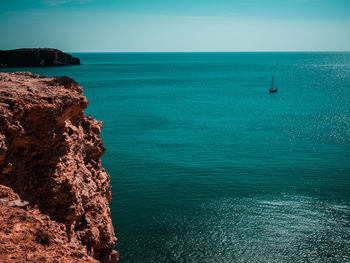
50 156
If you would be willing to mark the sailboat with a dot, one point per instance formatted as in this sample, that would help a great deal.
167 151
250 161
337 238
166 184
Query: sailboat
272 88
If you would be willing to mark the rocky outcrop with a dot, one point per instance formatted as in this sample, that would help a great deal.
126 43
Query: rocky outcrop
27 235
36 57
50 156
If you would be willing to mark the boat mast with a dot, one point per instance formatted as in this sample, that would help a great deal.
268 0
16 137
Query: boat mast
273 77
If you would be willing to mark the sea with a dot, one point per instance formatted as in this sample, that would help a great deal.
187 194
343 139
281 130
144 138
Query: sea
207 166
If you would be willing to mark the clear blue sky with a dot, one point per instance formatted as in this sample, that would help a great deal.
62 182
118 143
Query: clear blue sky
176 25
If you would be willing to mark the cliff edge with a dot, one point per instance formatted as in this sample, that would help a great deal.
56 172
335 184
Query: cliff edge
36 57
50 157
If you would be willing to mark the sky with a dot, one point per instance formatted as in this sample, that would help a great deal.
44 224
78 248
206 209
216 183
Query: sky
176 25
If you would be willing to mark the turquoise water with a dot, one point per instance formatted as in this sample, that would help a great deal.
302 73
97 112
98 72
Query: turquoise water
207 166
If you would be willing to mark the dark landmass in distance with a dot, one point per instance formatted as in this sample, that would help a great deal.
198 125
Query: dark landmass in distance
36 57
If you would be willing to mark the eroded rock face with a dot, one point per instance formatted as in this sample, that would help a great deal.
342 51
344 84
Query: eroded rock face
36 57
27 235
50 156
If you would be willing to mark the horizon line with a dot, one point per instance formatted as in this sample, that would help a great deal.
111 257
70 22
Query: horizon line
284 51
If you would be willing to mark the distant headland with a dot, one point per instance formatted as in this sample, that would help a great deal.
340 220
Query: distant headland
36 57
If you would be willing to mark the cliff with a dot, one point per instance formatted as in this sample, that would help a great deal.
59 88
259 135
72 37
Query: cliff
50 157
27 235
36 57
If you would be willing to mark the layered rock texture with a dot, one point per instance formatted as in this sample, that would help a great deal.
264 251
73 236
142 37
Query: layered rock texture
50 157
36 57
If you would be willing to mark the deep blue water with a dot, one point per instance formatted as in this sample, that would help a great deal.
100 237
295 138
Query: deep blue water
207 166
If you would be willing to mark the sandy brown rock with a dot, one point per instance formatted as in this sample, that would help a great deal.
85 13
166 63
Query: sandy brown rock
26 235
7 194
50 156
